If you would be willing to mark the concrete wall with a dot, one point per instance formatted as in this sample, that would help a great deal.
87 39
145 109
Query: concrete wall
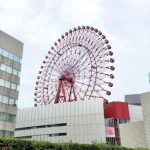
8 109
133 135
85 121
11 44
7 126
10 62
145 101
135 113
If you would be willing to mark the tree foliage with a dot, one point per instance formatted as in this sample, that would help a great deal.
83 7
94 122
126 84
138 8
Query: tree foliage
18 144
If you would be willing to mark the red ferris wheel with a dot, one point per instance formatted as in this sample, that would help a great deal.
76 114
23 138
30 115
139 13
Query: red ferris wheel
78 67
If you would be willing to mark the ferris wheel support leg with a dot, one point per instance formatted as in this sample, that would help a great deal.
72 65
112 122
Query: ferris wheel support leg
58 93
70 94
74 94
60 87
63 90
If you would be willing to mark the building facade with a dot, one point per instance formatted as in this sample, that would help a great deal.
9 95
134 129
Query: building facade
79 122
137 133
117 123
133 99
11 51
115 113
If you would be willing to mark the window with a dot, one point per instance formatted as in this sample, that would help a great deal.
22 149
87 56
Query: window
7 117
1 98
7 133
20 61
10 56
1 133
7 84
3 116
18 88
5 100
19 73
9 69
0 51
4 133
15 72
13 86
16 102
3 67
5 53
16 58
11 101
12 118
1 82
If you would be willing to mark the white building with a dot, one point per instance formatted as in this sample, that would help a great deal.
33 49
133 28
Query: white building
137 134
81 122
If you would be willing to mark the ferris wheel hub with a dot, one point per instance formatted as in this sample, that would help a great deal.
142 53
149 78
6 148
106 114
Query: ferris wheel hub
67 78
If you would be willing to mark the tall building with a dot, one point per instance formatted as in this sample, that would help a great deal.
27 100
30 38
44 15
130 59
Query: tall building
11 51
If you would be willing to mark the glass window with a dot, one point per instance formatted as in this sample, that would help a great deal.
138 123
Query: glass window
17 59
11 101
8 117
0 51
19 73
16 102
1 98
12 118
10 56
7 84
11 133
1 82
1 133
18 88
20 61
13 86
7 133
5 100
5 53
15 72
3 67
4 116
9 69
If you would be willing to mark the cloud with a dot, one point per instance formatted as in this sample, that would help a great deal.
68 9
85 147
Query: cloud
39 23
80 12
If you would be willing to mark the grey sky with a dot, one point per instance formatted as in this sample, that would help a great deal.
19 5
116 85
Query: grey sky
38 23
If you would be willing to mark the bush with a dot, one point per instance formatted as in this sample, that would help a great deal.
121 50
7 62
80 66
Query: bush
18 144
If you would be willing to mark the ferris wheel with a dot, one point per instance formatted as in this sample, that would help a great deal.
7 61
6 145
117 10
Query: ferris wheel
78 67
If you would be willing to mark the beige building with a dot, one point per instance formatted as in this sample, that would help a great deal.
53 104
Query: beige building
137 133
10 68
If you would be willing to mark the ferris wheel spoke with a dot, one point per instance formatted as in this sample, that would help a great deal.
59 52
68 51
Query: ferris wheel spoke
83 83
80 59
52 91
78 95
80 90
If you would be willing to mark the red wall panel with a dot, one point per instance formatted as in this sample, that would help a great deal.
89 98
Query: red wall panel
116 110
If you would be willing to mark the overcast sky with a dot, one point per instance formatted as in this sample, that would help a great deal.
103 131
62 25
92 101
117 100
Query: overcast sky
38 23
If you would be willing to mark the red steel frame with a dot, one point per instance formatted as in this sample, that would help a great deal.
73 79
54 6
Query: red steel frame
61 87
